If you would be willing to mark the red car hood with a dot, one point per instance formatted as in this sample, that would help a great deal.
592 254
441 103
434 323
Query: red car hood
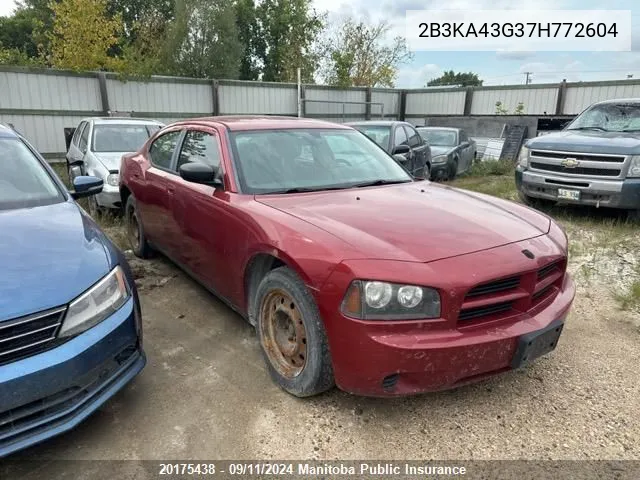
419 222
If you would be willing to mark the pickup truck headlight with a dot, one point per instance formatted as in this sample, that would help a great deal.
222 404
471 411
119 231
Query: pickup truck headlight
634 167
523 157
440 159
96 304
373 300
113 179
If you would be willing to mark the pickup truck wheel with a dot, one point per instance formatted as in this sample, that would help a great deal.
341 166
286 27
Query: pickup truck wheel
534 202
135 231
292 335
633 216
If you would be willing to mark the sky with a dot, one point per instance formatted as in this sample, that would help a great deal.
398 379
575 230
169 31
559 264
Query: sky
495 68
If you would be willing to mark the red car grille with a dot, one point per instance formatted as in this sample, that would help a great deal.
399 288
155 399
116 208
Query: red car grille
512 295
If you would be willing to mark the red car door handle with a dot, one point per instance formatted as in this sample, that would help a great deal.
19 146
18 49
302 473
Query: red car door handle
171 190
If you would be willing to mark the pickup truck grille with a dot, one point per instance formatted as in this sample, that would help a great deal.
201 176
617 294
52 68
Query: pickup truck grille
576 171
512 295
26 336
578 164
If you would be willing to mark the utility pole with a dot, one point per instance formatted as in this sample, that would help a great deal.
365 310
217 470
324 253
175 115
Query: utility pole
527 80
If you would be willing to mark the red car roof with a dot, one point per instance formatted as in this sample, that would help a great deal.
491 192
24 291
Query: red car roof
262 122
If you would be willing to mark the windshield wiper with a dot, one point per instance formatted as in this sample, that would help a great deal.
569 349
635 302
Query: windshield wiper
600 129
306 189
631 130
380 181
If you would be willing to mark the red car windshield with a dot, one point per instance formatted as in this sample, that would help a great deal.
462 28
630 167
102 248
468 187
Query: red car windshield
276 161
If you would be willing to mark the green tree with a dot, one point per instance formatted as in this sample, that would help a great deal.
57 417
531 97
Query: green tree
82 35
468 79
252 43
203 40
16 32
40 16
289 29
137 14
360 55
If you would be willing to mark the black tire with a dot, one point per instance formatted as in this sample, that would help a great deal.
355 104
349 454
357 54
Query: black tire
137 241
633 216
537 203
315 374
95 210
452 170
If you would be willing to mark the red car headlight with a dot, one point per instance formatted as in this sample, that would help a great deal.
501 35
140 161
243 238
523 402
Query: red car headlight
375 300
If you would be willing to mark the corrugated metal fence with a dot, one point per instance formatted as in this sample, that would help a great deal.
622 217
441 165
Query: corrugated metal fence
41 103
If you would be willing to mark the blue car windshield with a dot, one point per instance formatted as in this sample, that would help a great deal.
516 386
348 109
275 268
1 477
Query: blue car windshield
24 182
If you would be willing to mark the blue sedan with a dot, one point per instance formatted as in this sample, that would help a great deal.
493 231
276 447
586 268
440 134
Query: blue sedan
70 324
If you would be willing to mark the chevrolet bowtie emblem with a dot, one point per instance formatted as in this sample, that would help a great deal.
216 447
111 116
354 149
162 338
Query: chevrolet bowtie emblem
570 163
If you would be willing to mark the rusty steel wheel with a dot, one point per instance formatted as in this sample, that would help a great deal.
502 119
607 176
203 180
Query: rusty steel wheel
284 338
135 231
292 335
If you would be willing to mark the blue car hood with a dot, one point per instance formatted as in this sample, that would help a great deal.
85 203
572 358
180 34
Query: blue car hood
588 141
49 255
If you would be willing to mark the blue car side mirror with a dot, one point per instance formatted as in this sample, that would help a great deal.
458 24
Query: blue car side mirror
85 186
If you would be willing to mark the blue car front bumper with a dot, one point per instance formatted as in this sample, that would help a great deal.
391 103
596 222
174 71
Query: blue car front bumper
52 392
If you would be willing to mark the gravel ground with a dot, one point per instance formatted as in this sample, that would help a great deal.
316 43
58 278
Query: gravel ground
205 393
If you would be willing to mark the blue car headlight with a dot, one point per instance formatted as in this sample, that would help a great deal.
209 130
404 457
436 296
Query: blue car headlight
96 304
440 159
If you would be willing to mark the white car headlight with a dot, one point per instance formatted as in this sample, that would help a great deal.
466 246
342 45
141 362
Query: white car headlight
440 159
523 158
96 304
634 167
113 179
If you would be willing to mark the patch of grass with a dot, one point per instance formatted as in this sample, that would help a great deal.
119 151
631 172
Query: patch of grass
630 300
61 170
492 167
503 186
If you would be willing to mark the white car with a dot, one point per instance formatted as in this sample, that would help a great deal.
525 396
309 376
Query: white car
96 148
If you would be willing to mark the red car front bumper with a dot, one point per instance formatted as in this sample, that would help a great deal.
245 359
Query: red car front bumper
393 358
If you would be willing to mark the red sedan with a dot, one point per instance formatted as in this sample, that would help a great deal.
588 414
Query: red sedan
352 273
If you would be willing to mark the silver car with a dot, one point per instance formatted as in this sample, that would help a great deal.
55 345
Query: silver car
96 148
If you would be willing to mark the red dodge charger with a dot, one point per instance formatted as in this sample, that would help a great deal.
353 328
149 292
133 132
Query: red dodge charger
352 273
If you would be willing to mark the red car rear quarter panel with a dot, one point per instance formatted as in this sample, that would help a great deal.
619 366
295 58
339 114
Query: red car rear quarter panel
438 353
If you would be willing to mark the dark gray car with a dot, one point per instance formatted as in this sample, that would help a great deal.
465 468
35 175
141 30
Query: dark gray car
401 140
452 151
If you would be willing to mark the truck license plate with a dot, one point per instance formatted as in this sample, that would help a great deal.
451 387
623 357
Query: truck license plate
565 194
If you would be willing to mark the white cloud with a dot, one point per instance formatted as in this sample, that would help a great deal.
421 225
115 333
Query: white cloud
514 55
418 76
7 7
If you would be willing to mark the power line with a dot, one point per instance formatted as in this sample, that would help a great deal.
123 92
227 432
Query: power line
549 72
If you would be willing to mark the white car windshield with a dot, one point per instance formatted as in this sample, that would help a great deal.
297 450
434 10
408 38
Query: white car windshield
120 137
609 117
24 182
286 161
